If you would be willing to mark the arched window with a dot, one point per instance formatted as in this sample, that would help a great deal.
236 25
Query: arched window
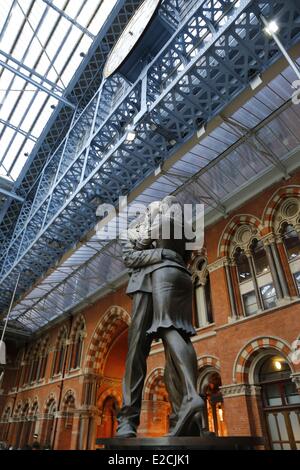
286 226
24 428
291 241
259 257
77 346
34 362
210 383
255 279
242 264
281 402
69 408
42 360
109 417
4 423
202 292
60 352
20 369
49 421
33 417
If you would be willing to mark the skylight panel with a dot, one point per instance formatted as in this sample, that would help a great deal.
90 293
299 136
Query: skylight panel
38 36
101 15
67 49
11 149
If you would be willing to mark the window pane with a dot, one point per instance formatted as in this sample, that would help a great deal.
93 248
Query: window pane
272 395
297 279
208 301
242 264
260 257
274 368
273 427
291 242
268 294
250 304
295 422
291 394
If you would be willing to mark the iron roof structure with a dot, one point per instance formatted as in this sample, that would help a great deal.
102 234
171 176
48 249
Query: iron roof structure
215 52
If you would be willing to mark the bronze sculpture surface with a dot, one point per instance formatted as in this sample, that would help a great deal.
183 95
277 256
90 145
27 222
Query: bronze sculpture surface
161 288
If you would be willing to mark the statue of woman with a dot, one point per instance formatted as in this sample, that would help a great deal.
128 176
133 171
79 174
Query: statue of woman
162 282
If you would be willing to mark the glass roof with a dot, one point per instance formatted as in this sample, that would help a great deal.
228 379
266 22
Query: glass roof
42 43
224 162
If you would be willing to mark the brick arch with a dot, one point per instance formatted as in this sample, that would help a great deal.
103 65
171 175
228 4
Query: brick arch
61 335
49 400
35 401
232 226
26 407
109 392
253 348
69 394
273 203
103 336
45 345
208 360
18 409
154 385
79 322
7 411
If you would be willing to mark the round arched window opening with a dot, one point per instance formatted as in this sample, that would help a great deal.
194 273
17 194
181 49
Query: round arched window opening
211 393
274 377
281 402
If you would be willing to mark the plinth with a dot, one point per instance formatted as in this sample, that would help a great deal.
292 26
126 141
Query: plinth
181 443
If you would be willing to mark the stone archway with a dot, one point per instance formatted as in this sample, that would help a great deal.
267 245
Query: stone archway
231 228
106 365
114 321
66 421
246 355
274 202
50 409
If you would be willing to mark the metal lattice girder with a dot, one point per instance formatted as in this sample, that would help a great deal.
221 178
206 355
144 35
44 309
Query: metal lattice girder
10 194
80 90
178 91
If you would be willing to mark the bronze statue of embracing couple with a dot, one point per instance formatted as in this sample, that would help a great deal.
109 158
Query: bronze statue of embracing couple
161 288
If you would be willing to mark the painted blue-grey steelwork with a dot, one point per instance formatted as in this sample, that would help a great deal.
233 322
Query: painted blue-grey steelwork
81 88
18 129
67 17
214 53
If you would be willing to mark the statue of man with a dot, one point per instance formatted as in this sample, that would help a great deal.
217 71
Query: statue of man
161 287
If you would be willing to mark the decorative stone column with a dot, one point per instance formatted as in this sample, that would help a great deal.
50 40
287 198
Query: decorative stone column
279 268
286 267
83 430
222 307
92 429
89 389
296 379
58 445
230 289
273 269
199 278
75 440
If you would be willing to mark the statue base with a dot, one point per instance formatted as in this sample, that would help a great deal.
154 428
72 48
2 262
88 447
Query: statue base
181 443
